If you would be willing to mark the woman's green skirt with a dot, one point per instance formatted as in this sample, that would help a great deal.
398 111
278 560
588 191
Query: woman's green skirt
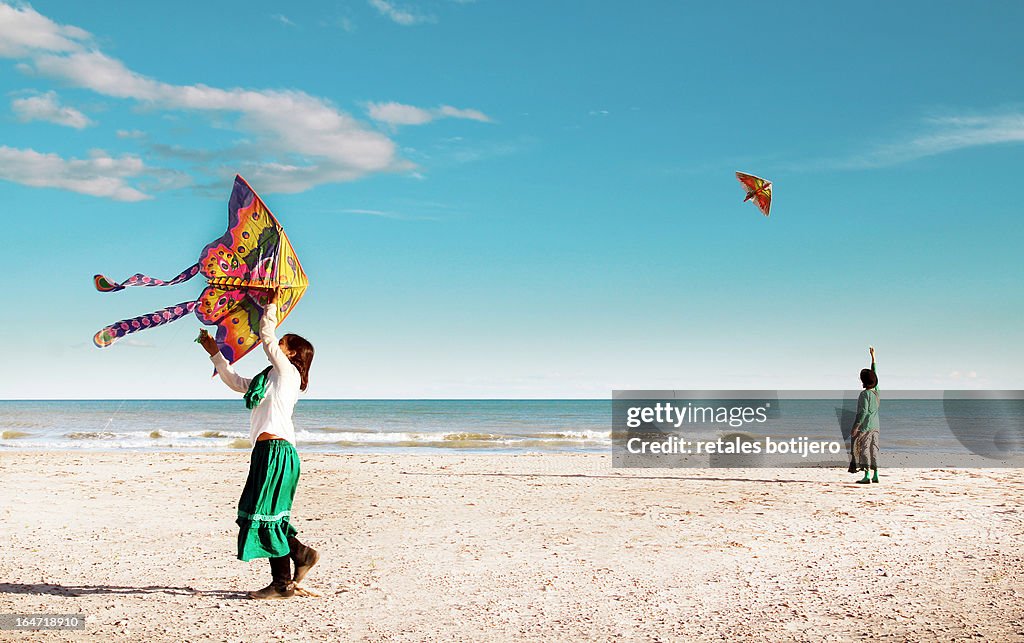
265 508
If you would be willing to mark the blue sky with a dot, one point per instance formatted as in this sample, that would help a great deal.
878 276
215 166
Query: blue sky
524 199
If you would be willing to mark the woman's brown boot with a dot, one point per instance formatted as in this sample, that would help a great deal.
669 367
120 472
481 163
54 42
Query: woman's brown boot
282 585
304 556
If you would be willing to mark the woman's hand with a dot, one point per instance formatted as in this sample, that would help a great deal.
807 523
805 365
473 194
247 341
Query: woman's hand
273 297
871 349
208 343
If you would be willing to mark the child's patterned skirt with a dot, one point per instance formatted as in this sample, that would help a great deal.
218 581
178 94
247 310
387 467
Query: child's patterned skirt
265 508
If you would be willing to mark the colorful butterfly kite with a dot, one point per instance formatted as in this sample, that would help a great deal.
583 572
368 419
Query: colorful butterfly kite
757 189
253 258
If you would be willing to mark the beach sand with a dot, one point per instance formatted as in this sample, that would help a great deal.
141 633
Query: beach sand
502 547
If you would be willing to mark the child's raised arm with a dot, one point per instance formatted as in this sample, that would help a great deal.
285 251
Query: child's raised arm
871 349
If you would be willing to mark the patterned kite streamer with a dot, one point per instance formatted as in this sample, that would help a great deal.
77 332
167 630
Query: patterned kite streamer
115 331
104 285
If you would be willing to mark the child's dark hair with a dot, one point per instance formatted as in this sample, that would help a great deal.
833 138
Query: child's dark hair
302 356
867 376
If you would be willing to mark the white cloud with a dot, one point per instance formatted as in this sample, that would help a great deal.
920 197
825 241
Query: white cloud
99 175
399 114
395 114
345 22
96 71
401 16
956 375
131 133
939 135
46 107
313 141
471 114
297 140
386 214
23 31
493 150
957 132
283 19
373 213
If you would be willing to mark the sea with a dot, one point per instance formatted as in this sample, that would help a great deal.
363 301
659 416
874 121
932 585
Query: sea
487 426
320 425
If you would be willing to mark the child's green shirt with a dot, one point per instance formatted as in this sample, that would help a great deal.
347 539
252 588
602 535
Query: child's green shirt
867 407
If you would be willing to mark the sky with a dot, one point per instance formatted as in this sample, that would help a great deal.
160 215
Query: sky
523 199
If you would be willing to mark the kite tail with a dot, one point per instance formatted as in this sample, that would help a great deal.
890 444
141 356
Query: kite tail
117 330
105 285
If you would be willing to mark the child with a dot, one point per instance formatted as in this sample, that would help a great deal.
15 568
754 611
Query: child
865 428
265 529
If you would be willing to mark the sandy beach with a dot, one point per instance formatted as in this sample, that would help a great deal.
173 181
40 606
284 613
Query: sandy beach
515 547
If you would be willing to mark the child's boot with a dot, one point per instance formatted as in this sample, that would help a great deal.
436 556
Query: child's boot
282 585
874 478
304 556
